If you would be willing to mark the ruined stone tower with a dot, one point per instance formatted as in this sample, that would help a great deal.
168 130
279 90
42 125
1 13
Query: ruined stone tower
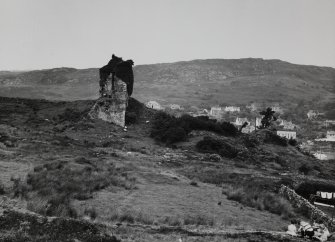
112 107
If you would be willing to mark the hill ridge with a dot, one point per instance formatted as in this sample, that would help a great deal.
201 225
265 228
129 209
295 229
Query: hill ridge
200 82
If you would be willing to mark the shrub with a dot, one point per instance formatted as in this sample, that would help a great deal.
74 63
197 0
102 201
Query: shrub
250 141
305 169
174 134
131 118
2 189
173 221
71 115
20 188
228 128
169 129
131 216
82 160
275 139
211 145
198 220
91 212
293 142
214 157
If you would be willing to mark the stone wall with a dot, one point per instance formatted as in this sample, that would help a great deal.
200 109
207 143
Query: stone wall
303 204
112 108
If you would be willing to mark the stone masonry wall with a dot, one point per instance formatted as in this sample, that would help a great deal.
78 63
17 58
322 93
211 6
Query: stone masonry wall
303 204
112 108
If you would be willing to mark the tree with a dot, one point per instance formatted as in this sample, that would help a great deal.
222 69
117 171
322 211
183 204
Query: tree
268 117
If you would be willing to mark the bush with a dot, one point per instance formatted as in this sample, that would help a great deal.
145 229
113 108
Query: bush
305 169
250 141
131 118
210 145
20 188
293 142
275 139
174 134
173 221
131 216
2 189
169 129
228 128
198 220
91 212
71 115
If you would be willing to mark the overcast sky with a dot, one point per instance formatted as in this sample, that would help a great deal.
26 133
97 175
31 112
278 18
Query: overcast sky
37 34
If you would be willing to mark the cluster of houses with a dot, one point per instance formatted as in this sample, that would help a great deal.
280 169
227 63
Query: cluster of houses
313 114
286 128
155 105
330 137
217 112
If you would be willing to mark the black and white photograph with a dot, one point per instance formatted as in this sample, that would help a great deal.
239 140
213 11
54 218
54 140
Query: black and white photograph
167 120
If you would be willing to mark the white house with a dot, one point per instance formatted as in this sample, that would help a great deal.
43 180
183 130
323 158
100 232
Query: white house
312 114
154 105
288 125
258 122
216 112
252 107
331 135
287 134
329 122
248 129
241 121
277 109
175 107
232 109
203 112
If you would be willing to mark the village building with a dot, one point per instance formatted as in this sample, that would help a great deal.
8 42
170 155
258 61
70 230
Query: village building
248 129
175 107
154 105
287 134
277 109
232 109
287 125
258 122
312 114
253 107
330 135
216 112
203 112
241 121
328 122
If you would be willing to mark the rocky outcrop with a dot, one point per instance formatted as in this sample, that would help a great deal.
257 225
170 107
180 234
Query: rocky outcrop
112 107
304 205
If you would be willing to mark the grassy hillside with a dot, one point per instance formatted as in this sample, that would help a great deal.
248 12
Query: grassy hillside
198 82
55 161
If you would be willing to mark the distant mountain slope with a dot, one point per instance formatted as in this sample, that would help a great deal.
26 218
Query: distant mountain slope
197 82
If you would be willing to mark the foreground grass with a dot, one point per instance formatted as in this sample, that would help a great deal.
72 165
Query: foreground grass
51 187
